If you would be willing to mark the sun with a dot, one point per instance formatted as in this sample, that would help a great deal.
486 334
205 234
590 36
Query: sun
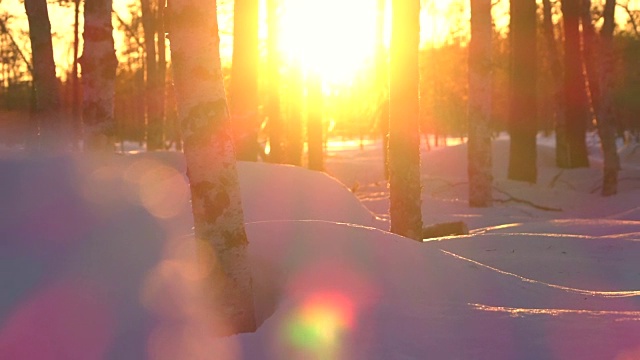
332 38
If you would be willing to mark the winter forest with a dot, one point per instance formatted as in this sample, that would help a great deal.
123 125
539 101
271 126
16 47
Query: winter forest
338 179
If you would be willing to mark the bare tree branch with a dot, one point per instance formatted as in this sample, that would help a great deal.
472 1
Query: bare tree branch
4 30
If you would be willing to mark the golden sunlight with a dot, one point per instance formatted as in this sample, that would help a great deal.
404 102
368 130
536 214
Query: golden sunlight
332 38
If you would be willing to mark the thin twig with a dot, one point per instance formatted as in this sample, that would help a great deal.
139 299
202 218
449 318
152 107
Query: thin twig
522 201
4 30
128 29
632 19
555 178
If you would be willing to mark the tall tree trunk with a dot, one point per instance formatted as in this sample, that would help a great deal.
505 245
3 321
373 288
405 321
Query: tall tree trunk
606 114
382 82
295 142
98 64
314 122
276 153
76 114
404 129
211 165
479 146
590 56
523 100
154 120
48 102
161 71
574 87
555 99
243 92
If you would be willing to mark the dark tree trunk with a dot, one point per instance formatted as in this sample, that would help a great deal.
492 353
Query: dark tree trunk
295 142
555 99
243 91
590 45
523 103
161 71
153 109
76 93
479 146
404 130
606 114
47 111
574 88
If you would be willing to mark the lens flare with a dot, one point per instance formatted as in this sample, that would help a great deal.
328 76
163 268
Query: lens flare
318 327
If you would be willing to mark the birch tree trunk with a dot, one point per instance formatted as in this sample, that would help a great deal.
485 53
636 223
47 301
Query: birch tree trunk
479 145
606 114
243 90
211 164
48 115
404 130
98 63
523 84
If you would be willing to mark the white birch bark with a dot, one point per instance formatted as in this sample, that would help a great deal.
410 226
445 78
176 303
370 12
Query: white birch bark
98 64
211 167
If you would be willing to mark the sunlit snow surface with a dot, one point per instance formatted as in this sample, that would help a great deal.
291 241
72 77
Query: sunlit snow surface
97 262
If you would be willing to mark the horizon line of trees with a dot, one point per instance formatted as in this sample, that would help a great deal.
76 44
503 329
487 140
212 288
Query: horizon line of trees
142 97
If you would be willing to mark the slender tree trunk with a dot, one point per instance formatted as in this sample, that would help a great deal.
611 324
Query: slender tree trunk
48 114
76 94
404 129
161 71
243 94
574 87
590 45
276 153
295 142
211 165
606 114
479 146
314 123
523 94
98 64
153 110
555 99
382 81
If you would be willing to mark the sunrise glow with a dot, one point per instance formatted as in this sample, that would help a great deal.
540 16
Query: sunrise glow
332 38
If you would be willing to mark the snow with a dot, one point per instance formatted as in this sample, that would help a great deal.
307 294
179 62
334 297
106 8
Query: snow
97 261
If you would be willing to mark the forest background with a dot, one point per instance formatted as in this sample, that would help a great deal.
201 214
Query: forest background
352 92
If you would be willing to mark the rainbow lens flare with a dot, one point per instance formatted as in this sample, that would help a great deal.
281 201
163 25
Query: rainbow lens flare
317 328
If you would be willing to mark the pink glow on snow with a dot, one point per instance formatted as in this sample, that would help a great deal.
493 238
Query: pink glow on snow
68 320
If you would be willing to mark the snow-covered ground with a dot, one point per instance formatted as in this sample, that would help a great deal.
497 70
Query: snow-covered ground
97 262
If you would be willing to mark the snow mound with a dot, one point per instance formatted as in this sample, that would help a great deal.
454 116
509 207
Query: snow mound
283 192
387 297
